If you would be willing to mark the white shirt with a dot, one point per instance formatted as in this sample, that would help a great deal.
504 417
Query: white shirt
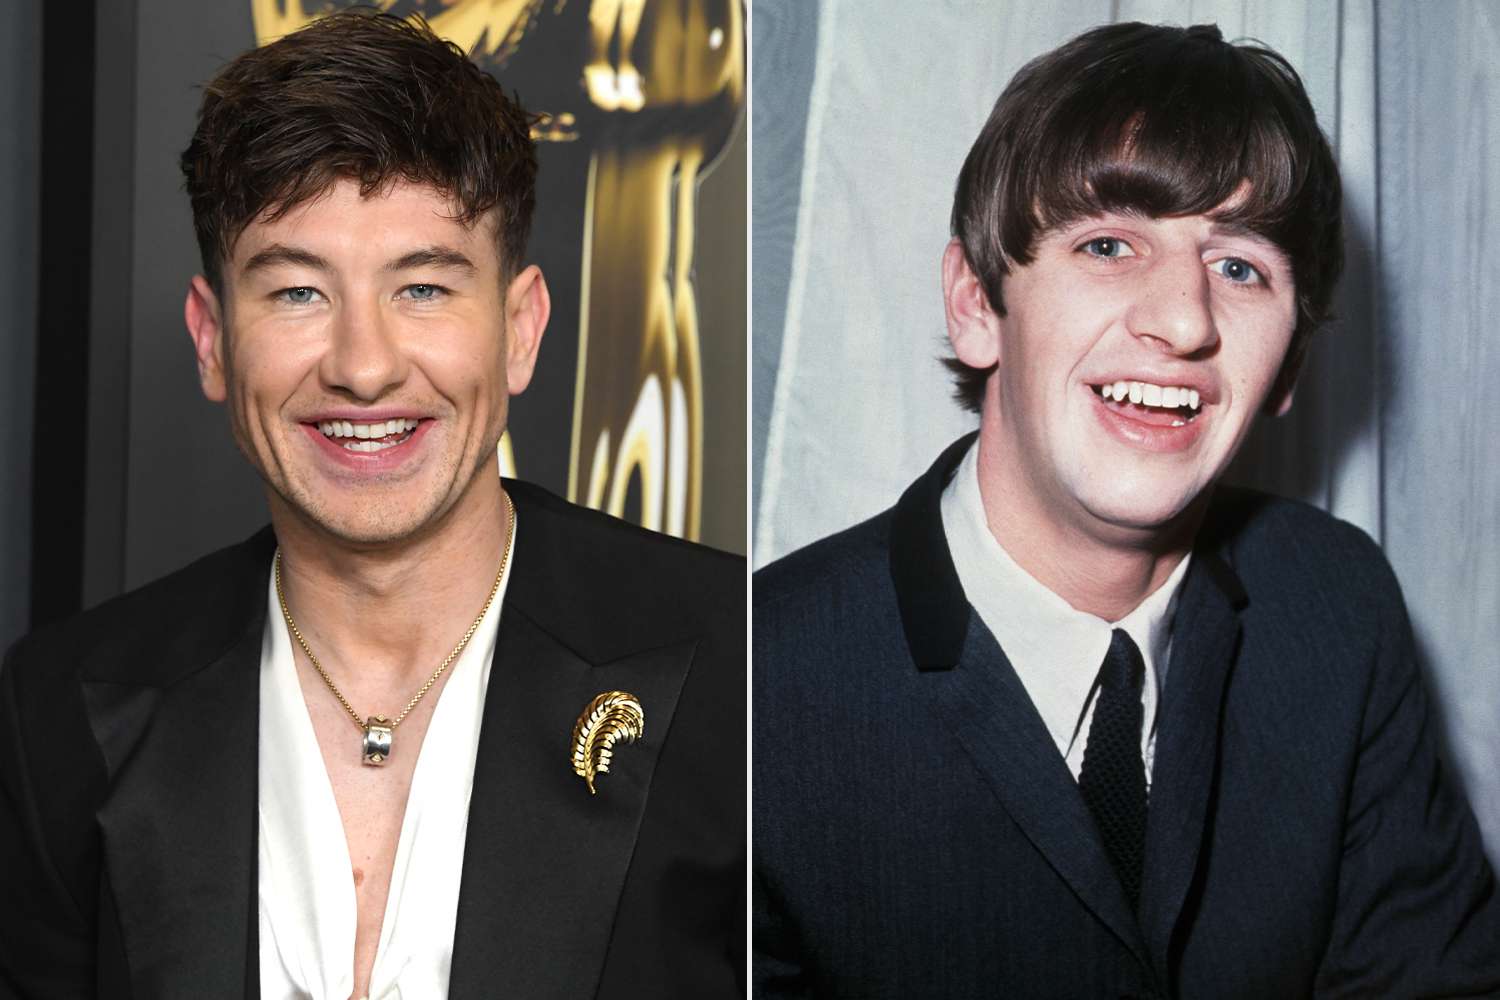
1055 649
307 902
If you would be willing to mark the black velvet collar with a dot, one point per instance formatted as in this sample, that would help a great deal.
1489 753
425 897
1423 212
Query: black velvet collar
934 609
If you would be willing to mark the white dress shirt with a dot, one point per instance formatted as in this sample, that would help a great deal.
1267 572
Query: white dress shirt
1055 649
306 886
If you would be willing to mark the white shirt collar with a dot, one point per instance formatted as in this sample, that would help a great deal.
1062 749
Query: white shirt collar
1055 649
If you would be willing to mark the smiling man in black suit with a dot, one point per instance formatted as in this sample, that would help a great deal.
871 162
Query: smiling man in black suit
364 753
1071 719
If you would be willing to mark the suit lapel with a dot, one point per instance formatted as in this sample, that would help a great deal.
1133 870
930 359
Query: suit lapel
1204 645
994 718
176 714
986 705
544 861
179 827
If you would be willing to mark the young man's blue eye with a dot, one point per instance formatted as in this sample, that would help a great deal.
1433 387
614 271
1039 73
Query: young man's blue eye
1108 246
299 296
1237 270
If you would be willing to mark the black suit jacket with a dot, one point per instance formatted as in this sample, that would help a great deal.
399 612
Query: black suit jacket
128 781
917 833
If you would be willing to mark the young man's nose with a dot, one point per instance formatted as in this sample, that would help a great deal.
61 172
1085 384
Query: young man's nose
364 356
1174 305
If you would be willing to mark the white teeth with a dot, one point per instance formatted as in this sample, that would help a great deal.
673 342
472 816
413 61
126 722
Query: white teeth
369 445
367 432
1146 393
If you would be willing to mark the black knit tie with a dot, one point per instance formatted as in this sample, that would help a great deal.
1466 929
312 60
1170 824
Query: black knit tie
1113 778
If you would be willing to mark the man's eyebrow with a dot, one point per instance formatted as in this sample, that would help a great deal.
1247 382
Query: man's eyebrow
1239 230
279 254
433 256
1231 227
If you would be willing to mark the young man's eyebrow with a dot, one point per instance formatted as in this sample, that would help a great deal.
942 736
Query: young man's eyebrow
279 254
1238 230
433 256
1230 227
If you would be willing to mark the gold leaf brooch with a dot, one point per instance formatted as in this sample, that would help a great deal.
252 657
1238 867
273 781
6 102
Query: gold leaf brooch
612 717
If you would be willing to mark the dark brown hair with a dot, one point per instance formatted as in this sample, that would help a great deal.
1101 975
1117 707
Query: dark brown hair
365 96
1165 121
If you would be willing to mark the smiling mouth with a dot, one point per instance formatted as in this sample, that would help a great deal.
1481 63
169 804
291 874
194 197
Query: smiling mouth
368 437
1172 406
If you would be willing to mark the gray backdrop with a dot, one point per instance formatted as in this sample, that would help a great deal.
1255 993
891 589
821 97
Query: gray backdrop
863 112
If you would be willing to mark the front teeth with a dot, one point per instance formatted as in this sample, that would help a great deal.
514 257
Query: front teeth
367 435
379 429
1149 394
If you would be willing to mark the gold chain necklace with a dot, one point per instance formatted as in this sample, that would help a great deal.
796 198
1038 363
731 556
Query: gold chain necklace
377 729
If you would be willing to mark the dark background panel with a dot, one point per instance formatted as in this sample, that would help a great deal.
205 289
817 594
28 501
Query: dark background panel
187 490
721 265
20 160
107 157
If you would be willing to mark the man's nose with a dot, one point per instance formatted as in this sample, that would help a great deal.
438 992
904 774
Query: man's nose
364 356
1174 306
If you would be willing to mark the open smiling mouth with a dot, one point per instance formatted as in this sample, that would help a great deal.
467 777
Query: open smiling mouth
368 437
1166 406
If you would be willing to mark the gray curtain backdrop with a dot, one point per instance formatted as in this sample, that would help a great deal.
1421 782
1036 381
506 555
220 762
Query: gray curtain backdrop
862 114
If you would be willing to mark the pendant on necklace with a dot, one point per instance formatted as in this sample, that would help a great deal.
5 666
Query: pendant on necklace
377 740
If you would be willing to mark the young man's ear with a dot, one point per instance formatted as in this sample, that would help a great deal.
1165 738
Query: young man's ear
527 307
973 327
1279 400
205 324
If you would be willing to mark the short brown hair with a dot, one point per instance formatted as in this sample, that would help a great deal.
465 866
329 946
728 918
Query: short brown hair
1166 121
365 96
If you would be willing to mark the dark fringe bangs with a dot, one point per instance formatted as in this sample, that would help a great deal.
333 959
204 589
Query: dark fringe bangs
1159 121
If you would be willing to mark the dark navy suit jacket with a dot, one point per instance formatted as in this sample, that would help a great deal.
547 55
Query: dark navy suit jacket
128 781
917 834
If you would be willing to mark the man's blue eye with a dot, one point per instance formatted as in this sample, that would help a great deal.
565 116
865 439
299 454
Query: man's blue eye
1108 246
1237 270
300 296
423 292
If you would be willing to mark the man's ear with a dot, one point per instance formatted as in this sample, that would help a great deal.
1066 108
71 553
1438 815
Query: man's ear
205 324
1279 400
973 327
527 307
